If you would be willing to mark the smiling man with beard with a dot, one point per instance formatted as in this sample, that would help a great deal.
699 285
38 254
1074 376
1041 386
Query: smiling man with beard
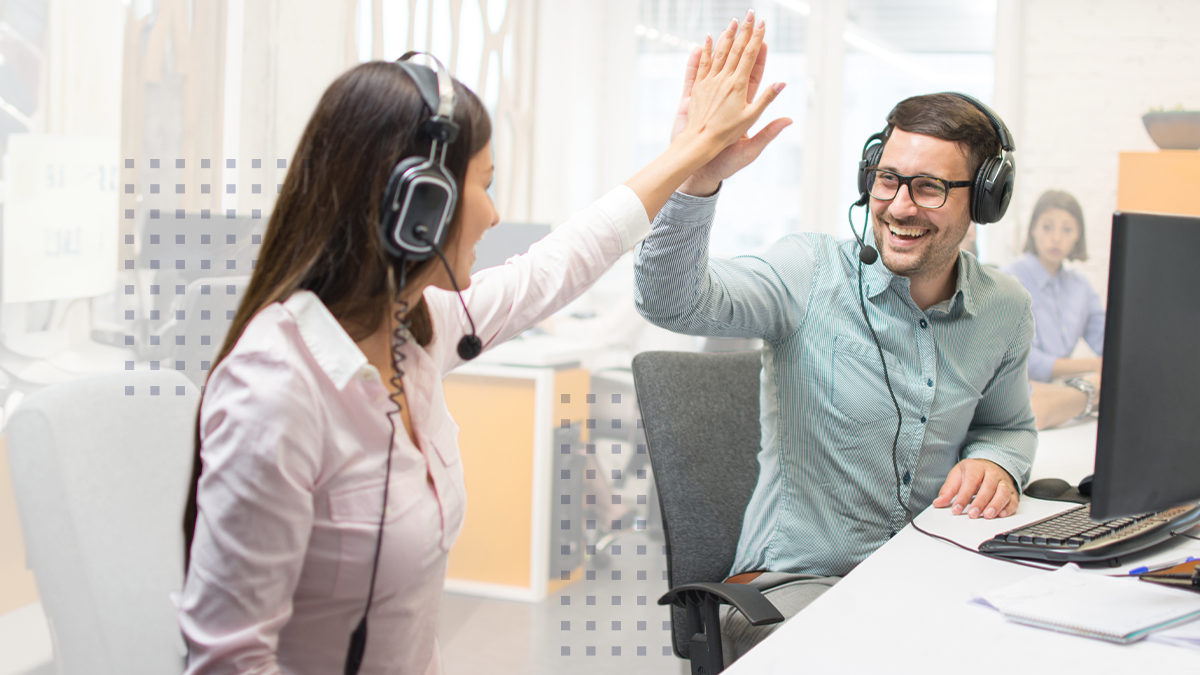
840 472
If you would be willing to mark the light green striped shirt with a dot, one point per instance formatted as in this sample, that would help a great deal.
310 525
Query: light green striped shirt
826 492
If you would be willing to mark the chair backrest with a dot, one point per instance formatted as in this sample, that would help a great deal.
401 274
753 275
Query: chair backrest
701 417
100 469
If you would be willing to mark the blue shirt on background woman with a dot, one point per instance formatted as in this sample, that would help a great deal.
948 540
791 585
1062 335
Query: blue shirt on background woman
1065 306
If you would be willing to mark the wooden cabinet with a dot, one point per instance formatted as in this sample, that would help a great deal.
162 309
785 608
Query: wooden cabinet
1162 182
507 418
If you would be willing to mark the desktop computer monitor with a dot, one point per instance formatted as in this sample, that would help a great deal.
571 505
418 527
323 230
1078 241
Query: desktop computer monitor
1148 441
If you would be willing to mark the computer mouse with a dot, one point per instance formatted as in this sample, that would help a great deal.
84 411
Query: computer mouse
1085 485
1047 488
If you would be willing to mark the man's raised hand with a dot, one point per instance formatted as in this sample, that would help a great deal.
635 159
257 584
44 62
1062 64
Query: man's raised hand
744 150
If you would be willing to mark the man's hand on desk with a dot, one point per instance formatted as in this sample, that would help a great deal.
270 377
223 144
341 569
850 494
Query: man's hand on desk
991 486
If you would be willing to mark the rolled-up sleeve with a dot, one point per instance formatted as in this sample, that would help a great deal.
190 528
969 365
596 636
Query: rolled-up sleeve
1041 365
1003 429
260 458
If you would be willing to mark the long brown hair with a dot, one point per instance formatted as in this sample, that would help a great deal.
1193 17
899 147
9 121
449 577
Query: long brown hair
323 235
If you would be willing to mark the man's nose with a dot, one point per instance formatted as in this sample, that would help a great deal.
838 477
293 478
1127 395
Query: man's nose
902 205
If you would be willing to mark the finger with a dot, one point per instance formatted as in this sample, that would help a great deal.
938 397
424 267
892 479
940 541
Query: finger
999 501
744 34
759 141
756 109
721 49
966 488
949 489
749 57
756 74
1014 500
983 496
702 67
689 74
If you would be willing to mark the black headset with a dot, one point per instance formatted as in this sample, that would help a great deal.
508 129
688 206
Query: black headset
415 213
992 187
418 204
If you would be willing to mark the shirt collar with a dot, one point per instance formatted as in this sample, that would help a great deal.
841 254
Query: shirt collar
331 347
877 278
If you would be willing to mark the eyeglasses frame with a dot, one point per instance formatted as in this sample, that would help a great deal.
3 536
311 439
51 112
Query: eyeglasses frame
907 181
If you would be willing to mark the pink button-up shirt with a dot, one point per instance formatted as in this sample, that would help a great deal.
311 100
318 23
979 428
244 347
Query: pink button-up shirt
295 436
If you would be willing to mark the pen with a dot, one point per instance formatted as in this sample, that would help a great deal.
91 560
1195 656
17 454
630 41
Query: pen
1161 566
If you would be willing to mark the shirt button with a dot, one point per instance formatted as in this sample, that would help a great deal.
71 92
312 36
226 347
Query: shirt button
922 419
929 382
907 477
924 324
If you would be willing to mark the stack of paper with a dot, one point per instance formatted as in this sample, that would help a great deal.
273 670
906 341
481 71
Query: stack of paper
1106 608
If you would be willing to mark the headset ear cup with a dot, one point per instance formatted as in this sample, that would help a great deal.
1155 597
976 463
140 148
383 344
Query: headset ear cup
870 158
988 206
389 216
399 238
1005 183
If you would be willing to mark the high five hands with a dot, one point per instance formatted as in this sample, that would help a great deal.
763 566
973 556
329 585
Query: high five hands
705 69
709 141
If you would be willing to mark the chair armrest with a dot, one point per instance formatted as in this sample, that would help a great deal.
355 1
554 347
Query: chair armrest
750 601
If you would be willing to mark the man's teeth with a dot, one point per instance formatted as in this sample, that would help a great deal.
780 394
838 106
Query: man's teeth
906 231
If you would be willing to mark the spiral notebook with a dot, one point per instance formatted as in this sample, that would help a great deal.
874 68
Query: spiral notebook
1069 600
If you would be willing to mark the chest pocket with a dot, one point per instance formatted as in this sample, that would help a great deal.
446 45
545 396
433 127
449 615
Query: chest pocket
859 390
362 504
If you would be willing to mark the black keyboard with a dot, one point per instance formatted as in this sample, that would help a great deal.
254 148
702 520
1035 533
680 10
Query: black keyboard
1073 536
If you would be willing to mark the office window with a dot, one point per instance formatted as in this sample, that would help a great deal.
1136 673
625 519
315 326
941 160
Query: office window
483 43
762 202
901 48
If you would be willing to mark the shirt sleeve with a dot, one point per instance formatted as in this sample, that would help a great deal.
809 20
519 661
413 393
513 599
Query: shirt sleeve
679 288
507 299
260 459
1041 365
1093 330
1003 428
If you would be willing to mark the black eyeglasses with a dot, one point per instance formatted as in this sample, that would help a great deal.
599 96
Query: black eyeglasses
927 192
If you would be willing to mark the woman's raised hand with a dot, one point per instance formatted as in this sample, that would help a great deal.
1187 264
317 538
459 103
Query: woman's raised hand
719 109
745 149
719 89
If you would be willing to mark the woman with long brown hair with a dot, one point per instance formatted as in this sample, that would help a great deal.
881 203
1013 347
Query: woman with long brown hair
291 546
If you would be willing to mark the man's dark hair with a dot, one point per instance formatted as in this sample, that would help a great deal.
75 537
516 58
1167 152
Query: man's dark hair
949 118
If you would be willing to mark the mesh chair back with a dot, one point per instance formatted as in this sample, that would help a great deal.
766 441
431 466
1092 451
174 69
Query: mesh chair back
701 417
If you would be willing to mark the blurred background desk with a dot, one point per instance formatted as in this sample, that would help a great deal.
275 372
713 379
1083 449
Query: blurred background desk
510 404
906 608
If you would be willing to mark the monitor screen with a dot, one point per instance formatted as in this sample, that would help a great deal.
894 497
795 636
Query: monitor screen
506 240
1148 441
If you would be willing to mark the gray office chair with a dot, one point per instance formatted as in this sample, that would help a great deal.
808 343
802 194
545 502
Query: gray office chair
700 413
100 469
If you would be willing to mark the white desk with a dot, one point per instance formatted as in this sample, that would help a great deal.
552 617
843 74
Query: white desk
905 609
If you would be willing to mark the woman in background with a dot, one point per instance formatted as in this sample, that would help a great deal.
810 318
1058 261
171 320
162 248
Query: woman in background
1065 308
331 376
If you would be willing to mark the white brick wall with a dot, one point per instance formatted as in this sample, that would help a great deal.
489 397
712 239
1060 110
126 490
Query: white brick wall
1088 70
